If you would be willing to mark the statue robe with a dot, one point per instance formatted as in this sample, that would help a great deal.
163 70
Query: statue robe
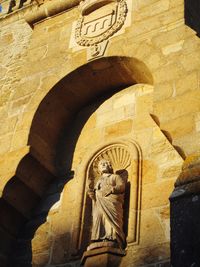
108 209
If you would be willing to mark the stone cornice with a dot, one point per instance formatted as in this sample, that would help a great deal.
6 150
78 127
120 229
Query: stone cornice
36 12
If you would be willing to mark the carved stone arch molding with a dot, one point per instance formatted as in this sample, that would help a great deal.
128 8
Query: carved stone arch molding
126 159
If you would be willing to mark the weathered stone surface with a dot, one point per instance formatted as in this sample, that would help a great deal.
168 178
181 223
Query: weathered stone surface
118 129
42 241
61 249
147 256
151 67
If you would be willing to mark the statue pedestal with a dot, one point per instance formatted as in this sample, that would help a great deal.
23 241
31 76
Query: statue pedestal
102 257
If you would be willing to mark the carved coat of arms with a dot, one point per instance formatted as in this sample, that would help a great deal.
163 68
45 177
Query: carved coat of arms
99 20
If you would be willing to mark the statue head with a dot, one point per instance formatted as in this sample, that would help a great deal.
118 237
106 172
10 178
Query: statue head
104 166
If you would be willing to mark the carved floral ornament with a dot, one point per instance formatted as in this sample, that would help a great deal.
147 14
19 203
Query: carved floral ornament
95 28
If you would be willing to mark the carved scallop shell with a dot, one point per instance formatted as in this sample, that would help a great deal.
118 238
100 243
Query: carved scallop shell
118 155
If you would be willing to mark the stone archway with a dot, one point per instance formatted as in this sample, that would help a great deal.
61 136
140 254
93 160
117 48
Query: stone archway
81 87
58 125
39 168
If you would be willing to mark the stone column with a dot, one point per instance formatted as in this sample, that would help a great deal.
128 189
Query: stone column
185 216
102 257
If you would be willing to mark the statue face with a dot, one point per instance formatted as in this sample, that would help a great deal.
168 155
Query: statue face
104 166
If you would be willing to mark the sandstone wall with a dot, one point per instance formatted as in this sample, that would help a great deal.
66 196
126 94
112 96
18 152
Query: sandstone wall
120 117
34 60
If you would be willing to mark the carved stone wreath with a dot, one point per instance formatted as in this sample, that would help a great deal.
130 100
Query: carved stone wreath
119 22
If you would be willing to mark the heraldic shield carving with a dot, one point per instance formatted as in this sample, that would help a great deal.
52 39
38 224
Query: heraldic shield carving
99 20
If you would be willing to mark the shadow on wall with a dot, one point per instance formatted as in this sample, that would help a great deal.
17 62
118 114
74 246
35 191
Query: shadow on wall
42 173
48 188
192 15
20 197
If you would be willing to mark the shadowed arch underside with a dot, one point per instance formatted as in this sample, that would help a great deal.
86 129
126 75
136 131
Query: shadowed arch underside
84 85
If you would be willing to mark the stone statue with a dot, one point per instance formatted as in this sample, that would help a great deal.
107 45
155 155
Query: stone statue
108 198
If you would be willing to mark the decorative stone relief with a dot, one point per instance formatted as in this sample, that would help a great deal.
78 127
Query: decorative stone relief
99 20
121 176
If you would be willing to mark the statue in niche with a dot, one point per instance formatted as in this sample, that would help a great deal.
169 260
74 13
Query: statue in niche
108 198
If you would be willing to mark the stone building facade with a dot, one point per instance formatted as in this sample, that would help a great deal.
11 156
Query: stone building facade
81 80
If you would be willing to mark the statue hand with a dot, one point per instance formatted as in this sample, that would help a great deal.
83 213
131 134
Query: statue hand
91 194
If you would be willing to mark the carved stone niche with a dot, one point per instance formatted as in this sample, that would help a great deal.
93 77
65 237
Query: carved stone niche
125 158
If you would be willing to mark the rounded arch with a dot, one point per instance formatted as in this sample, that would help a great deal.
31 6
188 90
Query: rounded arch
52 123
82 86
